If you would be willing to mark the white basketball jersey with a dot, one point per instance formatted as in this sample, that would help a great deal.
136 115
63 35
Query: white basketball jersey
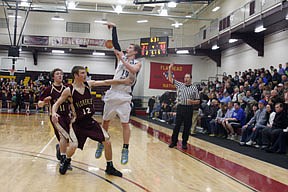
122 73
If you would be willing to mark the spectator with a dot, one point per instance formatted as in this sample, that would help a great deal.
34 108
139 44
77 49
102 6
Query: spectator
286 69
281 70
258 121
270 134
216 123
151 103
236 121
281 142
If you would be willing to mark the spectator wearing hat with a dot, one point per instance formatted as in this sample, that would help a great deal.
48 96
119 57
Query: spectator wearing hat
258 121
280 89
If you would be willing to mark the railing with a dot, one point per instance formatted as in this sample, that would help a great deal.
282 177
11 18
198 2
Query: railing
243 14
236 18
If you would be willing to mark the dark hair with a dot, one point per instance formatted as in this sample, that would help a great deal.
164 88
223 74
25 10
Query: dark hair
189 75
76 69
237 102
280 104
54 71
137 48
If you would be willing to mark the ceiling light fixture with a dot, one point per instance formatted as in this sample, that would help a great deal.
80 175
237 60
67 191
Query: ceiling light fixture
58 51
13 16
98 53
72 4
102 22
215 9
214 47
259 29
232 40
182 51
176 25
142 21
24 3
172 4
286 17
118 9
188 16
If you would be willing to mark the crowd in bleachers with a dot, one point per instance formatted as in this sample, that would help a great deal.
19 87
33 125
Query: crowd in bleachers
249 107
16 95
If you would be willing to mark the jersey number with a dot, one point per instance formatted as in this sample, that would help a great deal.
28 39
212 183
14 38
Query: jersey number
86 111
125 74
61 108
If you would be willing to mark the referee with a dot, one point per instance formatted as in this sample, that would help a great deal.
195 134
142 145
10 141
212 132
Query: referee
187 96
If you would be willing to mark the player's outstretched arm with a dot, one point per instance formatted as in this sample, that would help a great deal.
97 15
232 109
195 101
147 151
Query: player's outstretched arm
108 82
64 96
115 41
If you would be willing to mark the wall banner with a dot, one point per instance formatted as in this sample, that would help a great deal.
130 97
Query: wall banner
159 75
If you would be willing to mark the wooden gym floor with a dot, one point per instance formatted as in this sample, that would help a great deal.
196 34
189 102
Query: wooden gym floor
28 162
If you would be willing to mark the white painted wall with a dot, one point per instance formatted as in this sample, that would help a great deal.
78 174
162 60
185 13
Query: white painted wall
244 57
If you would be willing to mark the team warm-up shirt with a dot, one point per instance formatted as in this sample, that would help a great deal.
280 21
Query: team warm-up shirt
55 92
83 103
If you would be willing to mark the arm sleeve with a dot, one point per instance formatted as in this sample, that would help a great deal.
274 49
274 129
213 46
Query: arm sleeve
115 39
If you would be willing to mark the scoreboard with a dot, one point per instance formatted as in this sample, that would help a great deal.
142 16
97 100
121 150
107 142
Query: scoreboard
154 46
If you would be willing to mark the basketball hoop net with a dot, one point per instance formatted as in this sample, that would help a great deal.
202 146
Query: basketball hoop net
11 71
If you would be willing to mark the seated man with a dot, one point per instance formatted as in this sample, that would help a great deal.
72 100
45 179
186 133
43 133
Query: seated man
280 145
258 121
236 121
280 122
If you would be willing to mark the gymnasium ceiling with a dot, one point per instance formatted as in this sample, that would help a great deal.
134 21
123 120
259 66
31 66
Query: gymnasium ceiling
184 8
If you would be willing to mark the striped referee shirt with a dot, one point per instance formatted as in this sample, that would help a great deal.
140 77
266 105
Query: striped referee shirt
185 92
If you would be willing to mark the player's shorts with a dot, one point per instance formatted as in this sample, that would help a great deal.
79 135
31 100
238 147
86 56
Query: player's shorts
88 127
117 102
62 127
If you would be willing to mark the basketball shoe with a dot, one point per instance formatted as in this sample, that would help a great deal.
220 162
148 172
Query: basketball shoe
99 150
124 156
63 157
110 170
64 166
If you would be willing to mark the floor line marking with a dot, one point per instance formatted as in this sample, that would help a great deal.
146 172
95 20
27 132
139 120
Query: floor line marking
44 148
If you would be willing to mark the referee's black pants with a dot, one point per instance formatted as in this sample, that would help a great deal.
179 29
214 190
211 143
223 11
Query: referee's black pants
184 114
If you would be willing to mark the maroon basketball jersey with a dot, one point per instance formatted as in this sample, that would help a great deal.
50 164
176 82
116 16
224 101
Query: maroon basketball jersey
55 92
83 103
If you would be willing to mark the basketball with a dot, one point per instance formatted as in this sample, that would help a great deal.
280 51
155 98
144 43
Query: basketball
109 44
